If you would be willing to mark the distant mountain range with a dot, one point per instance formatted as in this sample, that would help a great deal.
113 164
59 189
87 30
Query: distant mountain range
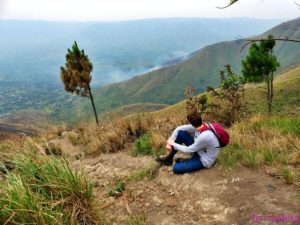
33 51
166 85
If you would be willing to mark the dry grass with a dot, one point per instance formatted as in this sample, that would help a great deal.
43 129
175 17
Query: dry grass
45 190
255 142
38 189
262 141
113 134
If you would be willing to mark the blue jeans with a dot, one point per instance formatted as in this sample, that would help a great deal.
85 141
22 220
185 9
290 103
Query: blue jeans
188 165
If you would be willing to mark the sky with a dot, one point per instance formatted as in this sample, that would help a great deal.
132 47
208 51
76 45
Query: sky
115 10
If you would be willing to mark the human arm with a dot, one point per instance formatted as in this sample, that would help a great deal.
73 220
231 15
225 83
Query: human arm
202 142
187 127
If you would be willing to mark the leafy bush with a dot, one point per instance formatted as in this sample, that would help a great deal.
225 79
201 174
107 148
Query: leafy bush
142 146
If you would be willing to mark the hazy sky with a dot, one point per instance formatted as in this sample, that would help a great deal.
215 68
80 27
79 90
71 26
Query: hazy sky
82 10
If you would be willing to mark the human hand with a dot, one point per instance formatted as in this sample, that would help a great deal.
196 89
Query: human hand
170 142
168 147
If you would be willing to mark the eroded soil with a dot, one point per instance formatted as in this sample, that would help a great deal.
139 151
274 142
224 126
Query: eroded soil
205 197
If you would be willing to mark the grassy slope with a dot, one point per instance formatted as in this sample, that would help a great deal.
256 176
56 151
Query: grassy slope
138 107
286 96
166 85
258 142
255 142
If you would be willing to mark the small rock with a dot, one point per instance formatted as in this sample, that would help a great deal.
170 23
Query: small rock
270 187
172 193
195 218
157 205
96 184
64 134
78 156
242 208
139 193
157 199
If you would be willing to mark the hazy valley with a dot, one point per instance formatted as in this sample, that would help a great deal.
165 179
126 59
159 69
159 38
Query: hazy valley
33 51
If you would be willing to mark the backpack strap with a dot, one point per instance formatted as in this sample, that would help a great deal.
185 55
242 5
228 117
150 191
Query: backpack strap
204 127
208 126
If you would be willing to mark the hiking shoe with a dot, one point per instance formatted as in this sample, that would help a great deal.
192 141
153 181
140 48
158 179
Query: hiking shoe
165 160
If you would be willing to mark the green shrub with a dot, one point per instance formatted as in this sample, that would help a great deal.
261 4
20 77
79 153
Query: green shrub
118 189
142 146
287 175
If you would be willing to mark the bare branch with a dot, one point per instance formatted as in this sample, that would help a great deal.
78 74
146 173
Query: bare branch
230 3
249 41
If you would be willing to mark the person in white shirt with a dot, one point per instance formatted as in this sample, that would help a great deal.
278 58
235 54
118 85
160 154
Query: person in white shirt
197 139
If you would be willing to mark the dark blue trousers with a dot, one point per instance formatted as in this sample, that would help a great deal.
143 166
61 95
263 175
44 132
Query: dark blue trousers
188 165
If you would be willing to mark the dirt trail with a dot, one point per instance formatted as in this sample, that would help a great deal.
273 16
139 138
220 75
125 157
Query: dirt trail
203 197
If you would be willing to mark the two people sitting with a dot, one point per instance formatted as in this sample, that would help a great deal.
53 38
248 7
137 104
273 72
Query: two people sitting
198 139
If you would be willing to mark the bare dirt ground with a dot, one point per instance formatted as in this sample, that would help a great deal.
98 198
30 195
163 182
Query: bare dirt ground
23 123
205 197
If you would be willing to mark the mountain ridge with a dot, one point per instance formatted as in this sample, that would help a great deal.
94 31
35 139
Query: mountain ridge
166 85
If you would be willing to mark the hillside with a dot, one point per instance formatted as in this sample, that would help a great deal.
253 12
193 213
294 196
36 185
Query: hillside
256 178
286 94
286 97
167 85
33 51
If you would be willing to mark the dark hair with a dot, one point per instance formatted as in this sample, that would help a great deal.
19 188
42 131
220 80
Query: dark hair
194 118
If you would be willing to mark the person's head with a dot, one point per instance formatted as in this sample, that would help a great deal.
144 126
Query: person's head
194 118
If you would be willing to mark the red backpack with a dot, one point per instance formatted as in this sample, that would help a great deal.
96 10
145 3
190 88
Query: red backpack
220 133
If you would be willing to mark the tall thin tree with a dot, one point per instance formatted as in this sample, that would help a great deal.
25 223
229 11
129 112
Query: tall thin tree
260 65
76 75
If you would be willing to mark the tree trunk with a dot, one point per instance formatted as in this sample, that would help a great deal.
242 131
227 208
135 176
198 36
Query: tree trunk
94 108
270 89
269 95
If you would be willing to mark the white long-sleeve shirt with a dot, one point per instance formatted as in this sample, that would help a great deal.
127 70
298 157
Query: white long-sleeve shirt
205 144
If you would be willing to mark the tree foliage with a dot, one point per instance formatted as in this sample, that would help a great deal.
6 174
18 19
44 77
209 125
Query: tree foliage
76 75
228 102
259 66
260 62
225 104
